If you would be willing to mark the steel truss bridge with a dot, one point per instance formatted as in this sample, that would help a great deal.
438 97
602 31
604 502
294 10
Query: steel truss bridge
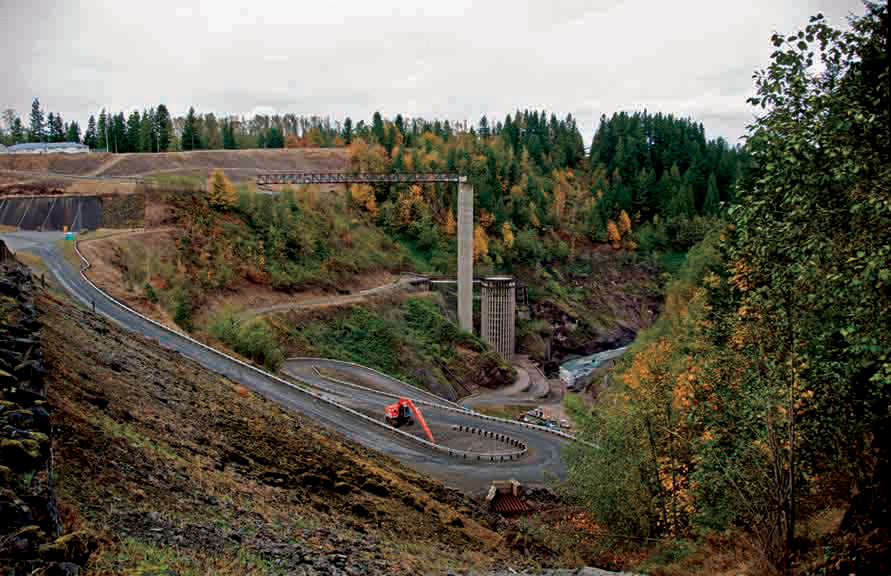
272 178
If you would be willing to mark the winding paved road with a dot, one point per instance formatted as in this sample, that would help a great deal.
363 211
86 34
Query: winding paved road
542 461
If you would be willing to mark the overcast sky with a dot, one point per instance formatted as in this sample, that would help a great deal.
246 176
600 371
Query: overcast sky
452 59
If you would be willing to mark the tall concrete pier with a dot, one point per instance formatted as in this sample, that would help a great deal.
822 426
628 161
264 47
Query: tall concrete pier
499 312
465 255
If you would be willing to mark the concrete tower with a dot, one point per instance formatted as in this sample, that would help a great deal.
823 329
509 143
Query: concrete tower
499 308
465 255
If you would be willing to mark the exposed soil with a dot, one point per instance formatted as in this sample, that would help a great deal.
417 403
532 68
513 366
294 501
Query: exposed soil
239 165
75 164
154 453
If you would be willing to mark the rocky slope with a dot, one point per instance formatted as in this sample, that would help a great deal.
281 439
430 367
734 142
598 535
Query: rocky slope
31 538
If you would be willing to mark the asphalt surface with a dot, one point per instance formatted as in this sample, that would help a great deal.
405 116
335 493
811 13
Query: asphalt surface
543 461
530 389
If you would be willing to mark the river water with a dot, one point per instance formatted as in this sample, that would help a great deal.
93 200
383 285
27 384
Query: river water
576 373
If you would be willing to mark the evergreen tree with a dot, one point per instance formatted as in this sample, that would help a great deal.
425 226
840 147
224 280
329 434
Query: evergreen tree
163 127
377 128
51 128
712 198
682 203
147 131
102 132
275 139
36 129
228 129
58 129
118 133
190 140
72 134
348 131
90 135
17 134
133 124
484 128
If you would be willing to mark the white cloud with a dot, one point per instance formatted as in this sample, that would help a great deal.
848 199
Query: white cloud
452 59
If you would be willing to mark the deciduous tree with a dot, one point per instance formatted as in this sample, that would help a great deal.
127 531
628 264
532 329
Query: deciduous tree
220 192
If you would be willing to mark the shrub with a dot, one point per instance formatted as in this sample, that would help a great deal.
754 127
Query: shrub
253 339
150 293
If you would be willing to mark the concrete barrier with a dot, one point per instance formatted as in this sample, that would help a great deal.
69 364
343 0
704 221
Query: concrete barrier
452 407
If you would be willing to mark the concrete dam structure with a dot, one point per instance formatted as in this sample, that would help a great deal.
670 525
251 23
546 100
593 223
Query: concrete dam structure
465 256
499 312
73 213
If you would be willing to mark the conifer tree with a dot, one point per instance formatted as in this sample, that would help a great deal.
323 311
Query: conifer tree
624 224
377 128
484 128
347 131
17 134
612 234
117 133
133 124
90 135
712 198
190 139
162 121
36 128
228 129
220 193
73 133
51 128
146 132
102 131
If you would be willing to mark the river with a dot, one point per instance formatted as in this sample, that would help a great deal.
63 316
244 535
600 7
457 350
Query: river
576 373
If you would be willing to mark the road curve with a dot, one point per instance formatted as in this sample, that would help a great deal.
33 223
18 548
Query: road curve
542 462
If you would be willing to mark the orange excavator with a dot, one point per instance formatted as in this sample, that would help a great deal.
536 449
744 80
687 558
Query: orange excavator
400 414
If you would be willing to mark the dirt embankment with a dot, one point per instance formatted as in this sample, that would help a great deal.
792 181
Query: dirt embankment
239 165
169 464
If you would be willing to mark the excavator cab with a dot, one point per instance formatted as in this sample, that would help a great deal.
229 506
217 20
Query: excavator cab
400 414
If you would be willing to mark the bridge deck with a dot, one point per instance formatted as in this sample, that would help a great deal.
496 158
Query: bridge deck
285 177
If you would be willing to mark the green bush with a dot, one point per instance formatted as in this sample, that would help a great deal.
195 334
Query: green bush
253 339
182 311
150 293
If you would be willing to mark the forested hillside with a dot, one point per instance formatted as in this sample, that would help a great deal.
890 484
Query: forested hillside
757 406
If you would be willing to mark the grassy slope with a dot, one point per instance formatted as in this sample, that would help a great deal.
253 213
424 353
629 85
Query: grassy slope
406 337
177 468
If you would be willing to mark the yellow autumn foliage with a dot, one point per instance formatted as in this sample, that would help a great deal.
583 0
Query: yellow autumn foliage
362 195
507 235
624 224
480 244
612 234
220 192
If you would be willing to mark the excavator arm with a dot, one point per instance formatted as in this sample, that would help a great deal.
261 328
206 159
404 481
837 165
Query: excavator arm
420 417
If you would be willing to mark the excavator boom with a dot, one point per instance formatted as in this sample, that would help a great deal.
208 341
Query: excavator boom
419 416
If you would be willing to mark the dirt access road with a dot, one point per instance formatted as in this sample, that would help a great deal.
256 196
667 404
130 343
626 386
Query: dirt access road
542 462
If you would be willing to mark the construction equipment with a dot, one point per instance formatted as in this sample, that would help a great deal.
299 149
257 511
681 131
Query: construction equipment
399 414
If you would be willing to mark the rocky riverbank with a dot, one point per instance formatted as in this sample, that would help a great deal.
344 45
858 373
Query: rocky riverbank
31 538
